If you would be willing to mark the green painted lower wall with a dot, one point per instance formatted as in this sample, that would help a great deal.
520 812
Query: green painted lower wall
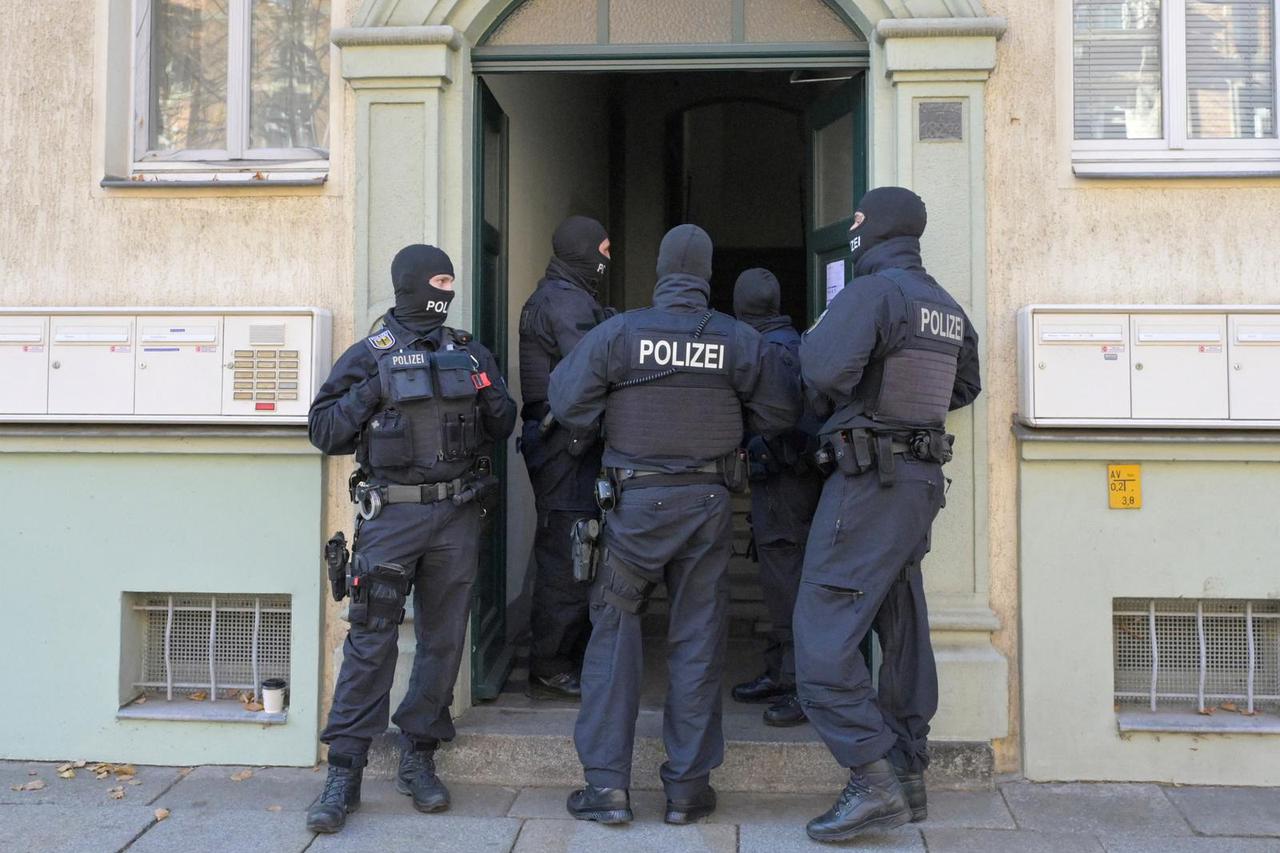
1207 529
90 515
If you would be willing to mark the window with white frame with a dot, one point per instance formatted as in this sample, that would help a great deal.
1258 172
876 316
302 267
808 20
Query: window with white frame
226 85
1170 87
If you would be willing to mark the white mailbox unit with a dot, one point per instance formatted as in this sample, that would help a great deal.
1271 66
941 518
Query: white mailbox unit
162 365
1196 366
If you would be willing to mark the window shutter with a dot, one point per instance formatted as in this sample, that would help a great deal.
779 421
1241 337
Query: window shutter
1231 86
1117 69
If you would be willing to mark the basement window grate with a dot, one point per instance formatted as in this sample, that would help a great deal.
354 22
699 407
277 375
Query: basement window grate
221 644
1187 654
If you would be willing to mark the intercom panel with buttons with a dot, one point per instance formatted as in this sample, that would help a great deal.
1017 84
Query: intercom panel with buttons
1154 366
162 365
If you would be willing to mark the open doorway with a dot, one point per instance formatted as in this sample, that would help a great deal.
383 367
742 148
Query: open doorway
769 162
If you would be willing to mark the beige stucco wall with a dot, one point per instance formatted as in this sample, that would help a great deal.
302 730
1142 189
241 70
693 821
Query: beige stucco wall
66 241
1054 238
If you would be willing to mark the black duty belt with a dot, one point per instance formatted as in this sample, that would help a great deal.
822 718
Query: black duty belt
632 478
426 493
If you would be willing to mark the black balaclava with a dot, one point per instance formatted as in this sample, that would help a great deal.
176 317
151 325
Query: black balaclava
419 306
685 250
576 253
757 296
888 212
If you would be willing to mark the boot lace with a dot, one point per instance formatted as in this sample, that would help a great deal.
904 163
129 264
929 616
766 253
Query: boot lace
418 763
335 789
857 787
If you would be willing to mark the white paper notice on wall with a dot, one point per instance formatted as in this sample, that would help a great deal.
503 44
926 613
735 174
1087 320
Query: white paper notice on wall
835 279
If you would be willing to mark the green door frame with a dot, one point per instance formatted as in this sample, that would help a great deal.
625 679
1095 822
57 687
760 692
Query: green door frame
491 654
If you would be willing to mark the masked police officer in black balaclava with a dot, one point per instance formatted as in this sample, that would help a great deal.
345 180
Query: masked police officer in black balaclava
892 354
562 466
785 485
420 404
672 384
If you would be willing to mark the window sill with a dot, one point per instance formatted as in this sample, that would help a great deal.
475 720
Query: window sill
1202 165
190 180
1189 722
186 711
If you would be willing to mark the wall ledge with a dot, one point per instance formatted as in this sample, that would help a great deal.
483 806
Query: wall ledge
384 36
916 28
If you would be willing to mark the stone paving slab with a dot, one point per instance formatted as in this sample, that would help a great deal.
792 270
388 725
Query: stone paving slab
1133 844
199 831
211 788
416 833
379 796
785 838
1229 811
1004 841
70 829
1093 808
576 836
967 810
84 790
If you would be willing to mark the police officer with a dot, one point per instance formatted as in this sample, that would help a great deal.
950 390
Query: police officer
785 486
889 358
562 466
672 384
419 404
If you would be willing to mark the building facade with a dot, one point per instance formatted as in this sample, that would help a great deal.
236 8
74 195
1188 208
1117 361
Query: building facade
1072 152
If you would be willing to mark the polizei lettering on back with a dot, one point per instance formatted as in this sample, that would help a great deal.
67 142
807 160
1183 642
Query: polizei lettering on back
664 353
408 359
935 321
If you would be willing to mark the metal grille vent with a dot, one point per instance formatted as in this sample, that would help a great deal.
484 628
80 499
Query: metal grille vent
1186 653
226 643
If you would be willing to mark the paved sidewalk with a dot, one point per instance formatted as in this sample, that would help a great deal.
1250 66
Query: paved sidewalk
235 808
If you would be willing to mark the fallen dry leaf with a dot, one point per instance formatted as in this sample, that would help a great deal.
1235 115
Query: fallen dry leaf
161 814
245 697
1208 712
198 696
253 706
275 808
1229 706
33 772
69 773
101 775
116 793
134 782
63 767
123 771
79 764
33 785
141 700
241 775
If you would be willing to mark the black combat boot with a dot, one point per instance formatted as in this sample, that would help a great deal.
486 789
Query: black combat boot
873 800
785 712
912 782
563 686
341 794
417 778
762 688
695 808
603 805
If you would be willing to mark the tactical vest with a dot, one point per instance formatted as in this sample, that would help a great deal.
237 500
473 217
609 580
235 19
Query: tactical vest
536 359
911 387
692 412
427 427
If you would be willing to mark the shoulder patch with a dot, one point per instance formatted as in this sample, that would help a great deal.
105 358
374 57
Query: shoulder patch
382 339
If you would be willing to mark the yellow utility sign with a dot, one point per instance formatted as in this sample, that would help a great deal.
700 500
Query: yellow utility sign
1124 486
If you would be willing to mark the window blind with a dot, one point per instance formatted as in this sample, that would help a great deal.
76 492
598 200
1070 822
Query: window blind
1231 86
1117 69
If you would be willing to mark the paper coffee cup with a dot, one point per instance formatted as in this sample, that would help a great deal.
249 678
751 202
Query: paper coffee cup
273 695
